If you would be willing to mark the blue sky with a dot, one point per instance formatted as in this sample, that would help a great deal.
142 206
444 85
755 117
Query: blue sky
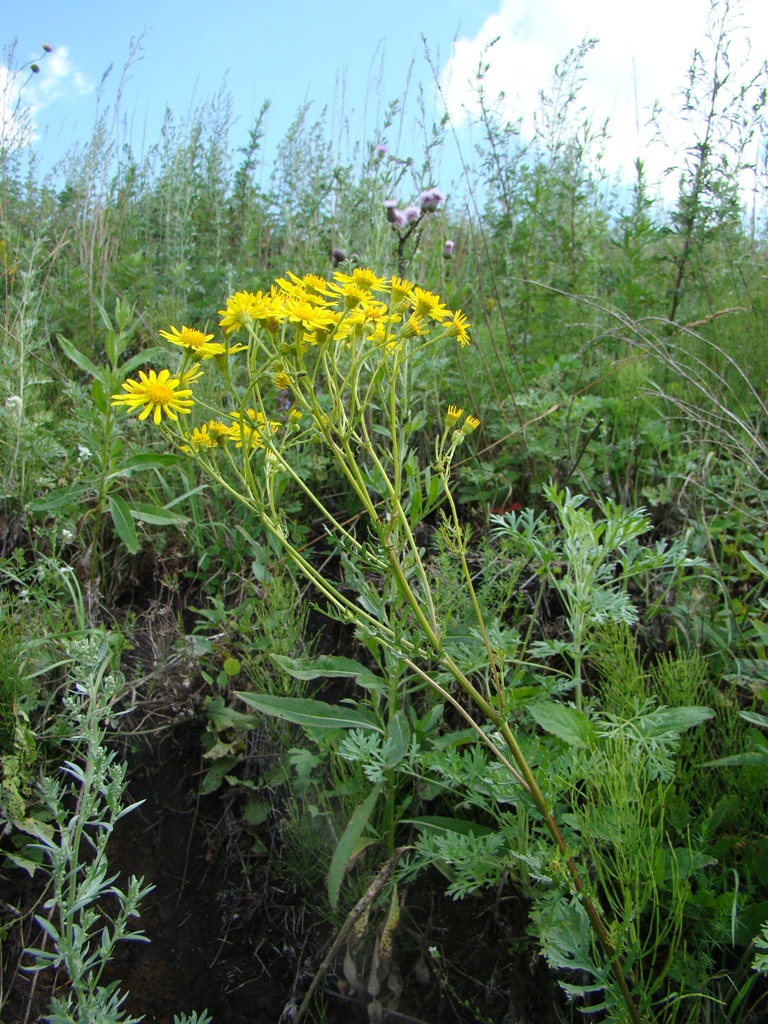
286 52
355 58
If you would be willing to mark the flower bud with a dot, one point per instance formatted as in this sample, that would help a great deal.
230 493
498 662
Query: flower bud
430 199
448 250
47 47
470 423
453 416
390 206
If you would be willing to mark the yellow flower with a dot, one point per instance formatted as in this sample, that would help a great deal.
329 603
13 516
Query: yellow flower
313 283
311 288
350 293
363 278
194 373
373 312
281 381
196 342
427 304
239 312
458 327
401 290
470 423
210 435
218 432
453 416
158 393
251 428
414 327
310 316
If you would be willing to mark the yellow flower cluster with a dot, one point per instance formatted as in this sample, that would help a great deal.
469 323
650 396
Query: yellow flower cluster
344 307
280 326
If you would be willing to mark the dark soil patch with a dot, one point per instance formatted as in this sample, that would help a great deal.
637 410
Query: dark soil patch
226 936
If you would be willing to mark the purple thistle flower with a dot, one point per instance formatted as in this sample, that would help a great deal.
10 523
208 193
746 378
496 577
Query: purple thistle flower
380 151
411 213
430 199
448 250
390 205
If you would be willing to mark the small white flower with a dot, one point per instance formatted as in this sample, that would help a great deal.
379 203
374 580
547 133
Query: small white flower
14 404
67 535
83 452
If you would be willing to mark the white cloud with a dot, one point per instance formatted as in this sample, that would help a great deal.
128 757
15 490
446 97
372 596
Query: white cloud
23 94
639 59
59 79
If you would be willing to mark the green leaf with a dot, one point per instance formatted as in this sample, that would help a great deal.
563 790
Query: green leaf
441 825
754 719
214 777
79 359
399 733
665 721
121 517
311 714
221 717
156 515
149 460
756 564
327 665
142 359
61 496
348 844
565 722
99 396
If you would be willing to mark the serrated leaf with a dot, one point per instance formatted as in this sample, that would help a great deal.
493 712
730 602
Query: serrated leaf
314 714
567 723
121 517
664 721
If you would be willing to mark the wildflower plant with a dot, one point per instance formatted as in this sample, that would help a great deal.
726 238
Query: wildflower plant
323 364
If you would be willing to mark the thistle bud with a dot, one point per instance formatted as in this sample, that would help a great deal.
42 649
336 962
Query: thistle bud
448 250
47 47
430 199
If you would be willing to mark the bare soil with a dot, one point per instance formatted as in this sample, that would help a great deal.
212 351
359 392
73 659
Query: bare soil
221 939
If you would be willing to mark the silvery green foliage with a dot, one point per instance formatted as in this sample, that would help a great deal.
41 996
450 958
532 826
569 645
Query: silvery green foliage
79 933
